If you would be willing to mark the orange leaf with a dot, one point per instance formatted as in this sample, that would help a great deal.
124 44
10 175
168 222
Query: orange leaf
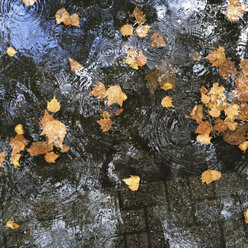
29 2
51 157
99 90
196 114
119 111
18 143
14 159
63 16
38 148
234 10
220 126
243 115
75 66
132 182
217 57
139 16
246 217
142 31
134 59
53 105
74 20
141 59
2 157
167 86
167 102
203 139
204 128
11 224
232 110
227 70
232 125
105 124
115 95
46 118
205 99
210 176
11 51
19 129
106 114
157 40
127 30
215 112
243 146
65 148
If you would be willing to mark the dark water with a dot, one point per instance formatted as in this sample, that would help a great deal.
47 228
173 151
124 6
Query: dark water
145 140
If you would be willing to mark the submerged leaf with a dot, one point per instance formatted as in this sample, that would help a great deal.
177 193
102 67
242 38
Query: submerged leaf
227 70
135 59
236 137
53 105
157 40
38 148
132 182
210 176
75 66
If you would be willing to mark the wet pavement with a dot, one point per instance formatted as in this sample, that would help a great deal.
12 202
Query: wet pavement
81 200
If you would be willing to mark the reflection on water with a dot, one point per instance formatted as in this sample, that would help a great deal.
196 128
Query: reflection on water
145 139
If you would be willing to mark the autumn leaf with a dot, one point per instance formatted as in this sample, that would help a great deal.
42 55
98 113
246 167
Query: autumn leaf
74 20
215 112
243 146
246 217
15 158
53 105
240 93
46 118
196 114
11 224
236 137
106 114
167 86
62 15
210 176
227 70
142 31
204 128
157 40
55 132
11 51
115 95
235 10
132 182
2 157
232 110
51 157
243 115
18 143
220 126
29 2
205 99
244 66
19 129
119 111
217 90
139 16
203 139
135 59
38 148
99 90
127 30
65 148
75 66
105 124
167 102
231 125
217 57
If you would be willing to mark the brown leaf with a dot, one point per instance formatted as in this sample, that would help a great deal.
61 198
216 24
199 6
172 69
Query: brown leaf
203 139
63 16
2 157
217 57
38 148
243 146
215 112
18 143
127 30
157 40
240 93
244 66
142 31
141 59
232 110
204 128
232 125
246 217
119 111
196 114
139 16
65 148
75 66
235 10
243 115
132 182
105 124
205 99
11 224
11 51
51 157
29 2
167 102
19 129
210 176
227 70
135 59
106 114
46 118
236 137
53 105
99 90
115 95
220 126
74 20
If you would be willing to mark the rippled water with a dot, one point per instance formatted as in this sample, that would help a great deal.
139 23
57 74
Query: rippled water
145 139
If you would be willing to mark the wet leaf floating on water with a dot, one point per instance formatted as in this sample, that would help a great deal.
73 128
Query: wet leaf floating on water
203 130
99 90
139 16
51 157
243 146
115 95
142 31
29 2
196 114
135 59
127 30
203 139
65 148
235 10
167 102
11 51
11 224
220 126
2 157
38 148
132 182
157 40
19 129
46 118
232 111
75 66
62 15
106 114
53 105
210 176
217 57
246 217
167 86
227 70
105 124
119 111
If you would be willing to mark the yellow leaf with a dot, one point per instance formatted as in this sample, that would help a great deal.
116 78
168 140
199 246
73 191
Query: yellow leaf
105 124
246 217
99 90
157 40
53 105
234 10
231 111
75 66
29 2
205 99
167 86
196 114
243 146
132 182
142 31
139 16
214 112
46 117
127 30
11 224
106 114
203 139
65 148
63 16
210 176
51 157
11 51
74 20
38 147
115 95
135 59
15 157
204 128
167 102
2 157
217 57
19 129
